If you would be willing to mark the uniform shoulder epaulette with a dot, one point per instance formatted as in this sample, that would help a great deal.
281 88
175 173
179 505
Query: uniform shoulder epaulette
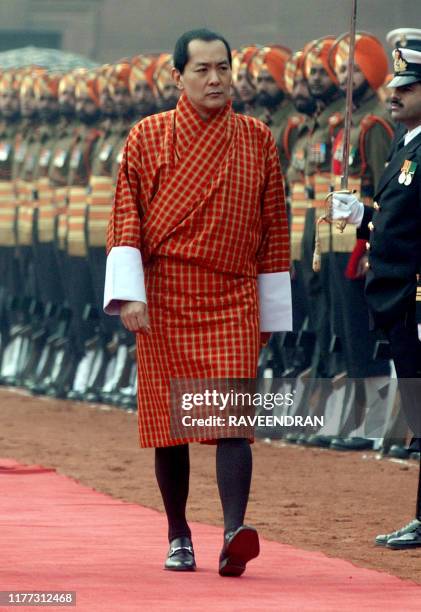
334 122
294 122
368 122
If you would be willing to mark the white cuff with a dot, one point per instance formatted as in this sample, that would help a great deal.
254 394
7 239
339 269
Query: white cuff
275 301
123 278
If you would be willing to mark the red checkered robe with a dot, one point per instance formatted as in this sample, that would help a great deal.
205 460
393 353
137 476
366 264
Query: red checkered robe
204 203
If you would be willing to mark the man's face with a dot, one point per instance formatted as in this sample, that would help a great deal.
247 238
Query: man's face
122 100
268 92
319 81
28 104
144 99
48 107
359 83
358 77
86 108
66 101
405 104
9 103
302 98
168 96
206 79
246 90
106 102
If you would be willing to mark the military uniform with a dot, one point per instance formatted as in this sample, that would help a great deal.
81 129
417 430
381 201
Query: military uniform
322 131
370 139
106 160
295 187
26 155
80 288
8 261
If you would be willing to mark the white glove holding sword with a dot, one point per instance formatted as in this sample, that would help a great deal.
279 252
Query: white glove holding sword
346 207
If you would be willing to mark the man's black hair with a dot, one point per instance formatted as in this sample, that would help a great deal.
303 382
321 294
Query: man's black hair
181 54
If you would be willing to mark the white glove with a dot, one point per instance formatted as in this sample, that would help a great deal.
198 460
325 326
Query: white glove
347 206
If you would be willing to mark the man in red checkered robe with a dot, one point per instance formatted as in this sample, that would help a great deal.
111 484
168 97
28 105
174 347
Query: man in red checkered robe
198 259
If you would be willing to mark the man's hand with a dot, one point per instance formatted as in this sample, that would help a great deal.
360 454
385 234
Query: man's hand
264 338
135 318
362 266
347 206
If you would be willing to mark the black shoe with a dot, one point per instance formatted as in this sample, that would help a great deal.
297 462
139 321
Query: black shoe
383 539
180 556
240 546
319 441
398 452
351 444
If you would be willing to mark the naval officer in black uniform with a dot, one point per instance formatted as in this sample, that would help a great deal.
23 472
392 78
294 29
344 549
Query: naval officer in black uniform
392 228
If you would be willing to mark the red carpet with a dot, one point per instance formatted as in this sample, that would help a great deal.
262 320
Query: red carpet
59 535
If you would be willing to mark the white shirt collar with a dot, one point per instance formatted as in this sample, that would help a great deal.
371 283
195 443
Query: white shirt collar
411 134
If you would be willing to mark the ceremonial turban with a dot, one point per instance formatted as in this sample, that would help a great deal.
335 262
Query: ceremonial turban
29 76
318 54
241 60
120 74
273 59
10 79
142 69
293 70
87 86
46 84
104 77
67 81
163 71
369 56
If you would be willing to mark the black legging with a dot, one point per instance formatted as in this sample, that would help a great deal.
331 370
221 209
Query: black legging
233 474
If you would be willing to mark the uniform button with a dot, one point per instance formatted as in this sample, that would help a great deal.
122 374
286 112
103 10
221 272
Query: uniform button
367 246
376 206
371 226
367 265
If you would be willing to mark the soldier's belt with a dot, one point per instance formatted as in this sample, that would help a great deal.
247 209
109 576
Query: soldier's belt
76 219
7 213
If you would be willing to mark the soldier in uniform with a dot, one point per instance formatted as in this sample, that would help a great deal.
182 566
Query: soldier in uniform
46 268
9 127
100 198
322 129
392 228
9 270
243 82
268 66
298 124
370 139
142 86
27 148
80 290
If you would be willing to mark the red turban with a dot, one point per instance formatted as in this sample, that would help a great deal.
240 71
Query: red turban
46 84
87 86
370 57
142 69
318 54
272 59
163 72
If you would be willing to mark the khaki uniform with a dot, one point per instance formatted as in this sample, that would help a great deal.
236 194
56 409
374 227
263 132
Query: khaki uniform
79 281
28 145
105 164
322 130
9 265
283 131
